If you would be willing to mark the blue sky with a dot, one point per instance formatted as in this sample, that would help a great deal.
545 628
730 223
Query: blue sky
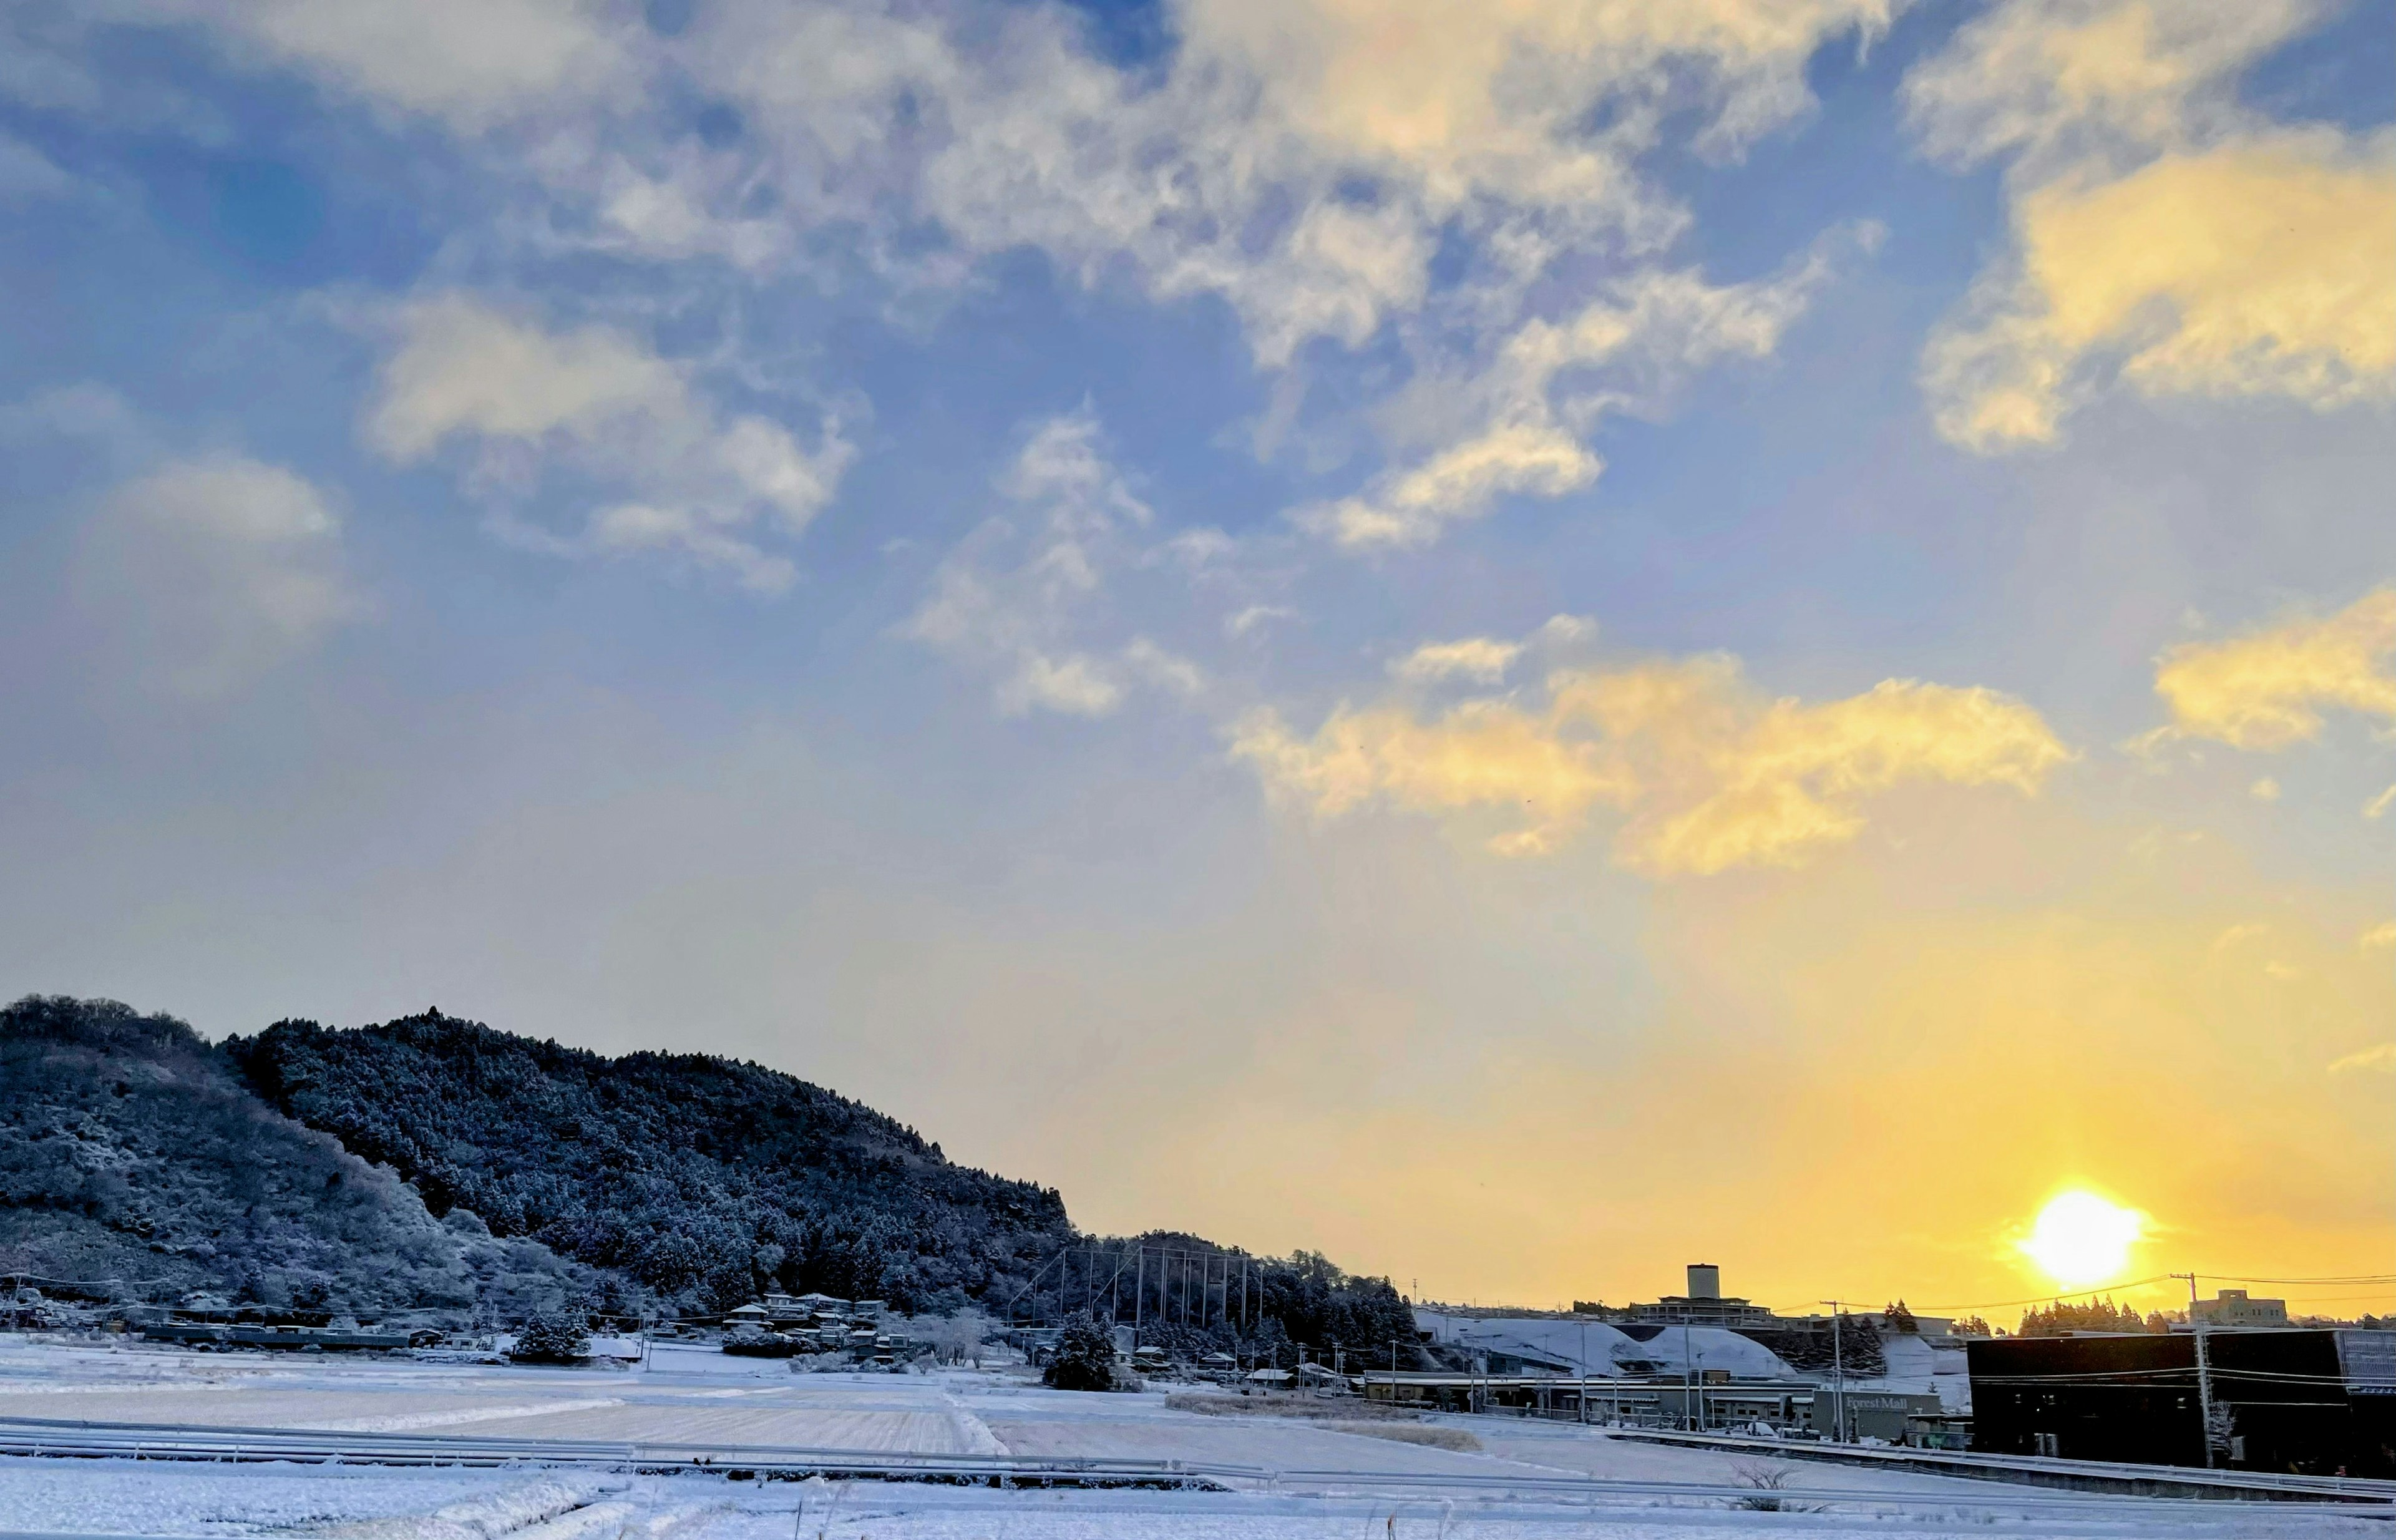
1217 602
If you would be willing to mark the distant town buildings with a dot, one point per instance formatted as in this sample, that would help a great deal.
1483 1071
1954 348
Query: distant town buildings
1699 1361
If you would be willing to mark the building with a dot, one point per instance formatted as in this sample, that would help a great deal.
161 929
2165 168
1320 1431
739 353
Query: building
1704 1305
1701 1359
2231 1307
2296 1399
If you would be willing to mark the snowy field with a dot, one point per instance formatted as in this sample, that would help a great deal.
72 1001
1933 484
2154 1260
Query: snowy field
1326 1485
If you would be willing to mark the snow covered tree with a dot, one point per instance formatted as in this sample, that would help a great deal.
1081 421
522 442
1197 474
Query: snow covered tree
551 1339
1084 1358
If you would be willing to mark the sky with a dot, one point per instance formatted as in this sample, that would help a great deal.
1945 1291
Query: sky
1519 642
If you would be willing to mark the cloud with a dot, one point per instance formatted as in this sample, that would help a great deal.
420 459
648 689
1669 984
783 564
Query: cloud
2256 269
2267 689
209 572
2265 789
471 63
2380 938
1332 173
1251 619
27 174
2378 1060
605 406
2377 809
1482 659
1014 597
1306 162
1549 384
2164 238
1705 774
2060 83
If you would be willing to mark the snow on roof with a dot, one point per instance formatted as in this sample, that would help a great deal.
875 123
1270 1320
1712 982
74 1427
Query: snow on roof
1595 1347
1270 1376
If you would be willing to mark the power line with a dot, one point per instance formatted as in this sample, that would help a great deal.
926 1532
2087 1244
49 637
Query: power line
2049 1298
2359 1277
2160 1278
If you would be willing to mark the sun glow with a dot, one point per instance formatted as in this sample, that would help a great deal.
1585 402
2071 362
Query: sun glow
2079 1239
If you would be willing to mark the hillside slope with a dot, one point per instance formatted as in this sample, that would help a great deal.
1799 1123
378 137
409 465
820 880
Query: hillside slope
696 1180
129 1149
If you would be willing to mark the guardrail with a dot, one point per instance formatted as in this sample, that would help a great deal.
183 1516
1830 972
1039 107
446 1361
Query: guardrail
77 1438
2040 1470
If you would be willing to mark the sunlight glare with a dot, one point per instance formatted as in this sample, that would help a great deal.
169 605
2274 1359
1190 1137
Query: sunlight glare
2079 1239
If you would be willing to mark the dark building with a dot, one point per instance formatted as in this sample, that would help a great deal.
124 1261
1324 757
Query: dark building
2310 1400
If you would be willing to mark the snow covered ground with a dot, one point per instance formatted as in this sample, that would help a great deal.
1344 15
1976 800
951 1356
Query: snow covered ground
1327 1487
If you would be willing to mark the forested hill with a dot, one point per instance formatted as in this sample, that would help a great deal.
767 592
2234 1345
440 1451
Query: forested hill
435 1164
695 1180
131 1151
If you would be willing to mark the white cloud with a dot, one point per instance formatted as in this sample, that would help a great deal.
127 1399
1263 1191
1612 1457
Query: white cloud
2165 239
209 572
2380 938
1527 408
2377 809
2060 83
2265 789
1481 658
1019 595
689 480
1251 619
473 63
1332 171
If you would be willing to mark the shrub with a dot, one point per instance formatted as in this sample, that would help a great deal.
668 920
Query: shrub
756 1343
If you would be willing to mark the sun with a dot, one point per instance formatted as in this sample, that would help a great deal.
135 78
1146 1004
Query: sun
2079 1239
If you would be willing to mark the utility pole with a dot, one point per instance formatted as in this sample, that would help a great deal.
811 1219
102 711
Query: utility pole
1688 1378
1584 1372
1138 1295
1838 1376
2204 1368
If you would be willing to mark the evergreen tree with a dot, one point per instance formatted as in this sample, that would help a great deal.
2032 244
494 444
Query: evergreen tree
2062 1319
1084 1358
560 1339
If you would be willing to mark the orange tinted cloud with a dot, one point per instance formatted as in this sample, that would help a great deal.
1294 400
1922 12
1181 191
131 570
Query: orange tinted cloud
2268 689
1704 772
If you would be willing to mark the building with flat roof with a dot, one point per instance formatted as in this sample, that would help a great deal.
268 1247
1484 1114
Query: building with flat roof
2294 1398
1704 1305
2231 1307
